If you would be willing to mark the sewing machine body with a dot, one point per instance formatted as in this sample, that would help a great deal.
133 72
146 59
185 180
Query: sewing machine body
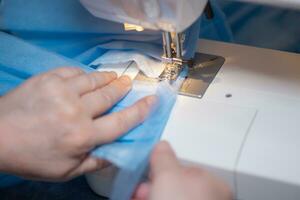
246 126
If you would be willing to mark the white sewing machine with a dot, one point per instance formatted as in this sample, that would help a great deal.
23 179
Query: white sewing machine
245 127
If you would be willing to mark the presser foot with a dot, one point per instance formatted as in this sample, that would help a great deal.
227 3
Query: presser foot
201 73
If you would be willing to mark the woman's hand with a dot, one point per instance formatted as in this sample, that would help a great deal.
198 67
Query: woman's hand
51 122
171 180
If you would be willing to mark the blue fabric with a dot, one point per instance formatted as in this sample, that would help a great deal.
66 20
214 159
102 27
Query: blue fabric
131 152
36 36
140 140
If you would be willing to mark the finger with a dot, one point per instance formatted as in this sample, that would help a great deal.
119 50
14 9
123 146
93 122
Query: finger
66 72
142 192
101 100
222 190
114 125
163 160
89 82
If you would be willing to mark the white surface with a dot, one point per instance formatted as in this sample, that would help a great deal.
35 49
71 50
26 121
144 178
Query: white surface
101 182
268 82
149 66
271 157
207 132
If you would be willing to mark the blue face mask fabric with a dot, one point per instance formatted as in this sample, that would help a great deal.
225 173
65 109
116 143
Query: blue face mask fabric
33 40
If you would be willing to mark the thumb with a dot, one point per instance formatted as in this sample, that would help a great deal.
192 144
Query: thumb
90 164
163 159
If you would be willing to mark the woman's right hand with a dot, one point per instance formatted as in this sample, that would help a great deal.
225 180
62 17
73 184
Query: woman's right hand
171 180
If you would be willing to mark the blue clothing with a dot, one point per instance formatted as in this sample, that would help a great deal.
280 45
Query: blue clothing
76 189
253 24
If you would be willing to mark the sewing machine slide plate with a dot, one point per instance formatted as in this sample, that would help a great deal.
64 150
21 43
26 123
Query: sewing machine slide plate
201 74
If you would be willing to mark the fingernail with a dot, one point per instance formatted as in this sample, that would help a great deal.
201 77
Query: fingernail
126 80
151 100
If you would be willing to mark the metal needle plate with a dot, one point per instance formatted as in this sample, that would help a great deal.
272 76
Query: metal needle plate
201 74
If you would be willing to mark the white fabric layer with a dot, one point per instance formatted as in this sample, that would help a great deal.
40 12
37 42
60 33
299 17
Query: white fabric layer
119 61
